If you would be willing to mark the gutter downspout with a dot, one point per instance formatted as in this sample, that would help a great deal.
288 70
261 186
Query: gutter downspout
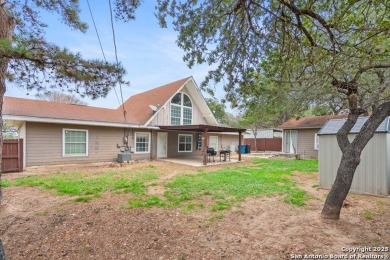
151 144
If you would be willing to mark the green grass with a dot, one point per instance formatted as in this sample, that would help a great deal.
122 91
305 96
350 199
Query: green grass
367 215
90 184
232 184
5 183
82 199
147 202
225 187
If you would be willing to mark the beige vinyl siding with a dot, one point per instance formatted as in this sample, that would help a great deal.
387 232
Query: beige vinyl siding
230 139
372 176
173 142
153 145
226 140
306 143
44 144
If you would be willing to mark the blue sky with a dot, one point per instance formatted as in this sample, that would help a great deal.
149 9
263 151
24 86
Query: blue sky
148 53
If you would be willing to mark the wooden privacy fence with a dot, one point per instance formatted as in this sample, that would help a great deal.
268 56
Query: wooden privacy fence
12 155
265 144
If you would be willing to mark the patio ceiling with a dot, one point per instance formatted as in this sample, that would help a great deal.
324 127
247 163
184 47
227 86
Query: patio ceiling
202 128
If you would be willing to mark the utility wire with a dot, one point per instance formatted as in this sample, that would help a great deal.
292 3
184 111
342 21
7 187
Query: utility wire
116 57
101 46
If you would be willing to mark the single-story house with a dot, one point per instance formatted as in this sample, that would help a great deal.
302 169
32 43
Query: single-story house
300 135
372 176
168 121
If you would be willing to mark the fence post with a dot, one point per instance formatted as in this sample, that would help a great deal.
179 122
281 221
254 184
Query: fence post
20 152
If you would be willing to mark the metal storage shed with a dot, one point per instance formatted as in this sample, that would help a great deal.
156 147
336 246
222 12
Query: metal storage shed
373 173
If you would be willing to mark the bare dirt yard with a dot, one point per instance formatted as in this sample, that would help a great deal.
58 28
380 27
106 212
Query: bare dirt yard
37 223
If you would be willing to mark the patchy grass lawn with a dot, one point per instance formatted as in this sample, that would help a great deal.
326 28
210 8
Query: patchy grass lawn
81 184
232 184
175 213
224 187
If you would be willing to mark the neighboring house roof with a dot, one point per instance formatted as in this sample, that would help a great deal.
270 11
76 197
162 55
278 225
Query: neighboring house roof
137 106
331 127
308 122
138 111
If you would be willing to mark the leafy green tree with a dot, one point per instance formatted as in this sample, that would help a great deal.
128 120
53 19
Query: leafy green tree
313 49
218 110
28 60
9 132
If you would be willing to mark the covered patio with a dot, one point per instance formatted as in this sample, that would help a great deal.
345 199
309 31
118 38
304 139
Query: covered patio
205 130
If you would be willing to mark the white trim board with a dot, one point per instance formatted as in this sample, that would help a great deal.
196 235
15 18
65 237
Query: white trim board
73 122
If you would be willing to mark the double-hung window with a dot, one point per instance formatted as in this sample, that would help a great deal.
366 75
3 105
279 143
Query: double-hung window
75 142
185 143
142 142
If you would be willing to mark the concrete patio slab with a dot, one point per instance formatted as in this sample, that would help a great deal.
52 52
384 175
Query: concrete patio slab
197 161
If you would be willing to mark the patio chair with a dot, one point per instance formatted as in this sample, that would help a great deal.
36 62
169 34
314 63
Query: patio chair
211 153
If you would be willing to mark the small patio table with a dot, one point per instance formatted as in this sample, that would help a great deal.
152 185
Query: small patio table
225 154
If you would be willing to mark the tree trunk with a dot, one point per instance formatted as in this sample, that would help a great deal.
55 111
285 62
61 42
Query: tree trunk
7 24
255 135
350 159
334 202
2 253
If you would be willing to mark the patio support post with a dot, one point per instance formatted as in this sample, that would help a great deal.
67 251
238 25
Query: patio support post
239 145
204 146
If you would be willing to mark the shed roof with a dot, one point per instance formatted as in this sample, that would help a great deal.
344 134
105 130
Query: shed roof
331 127
308 122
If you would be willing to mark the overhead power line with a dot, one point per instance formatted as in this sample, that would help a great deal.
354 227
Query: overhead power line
101 48
116 57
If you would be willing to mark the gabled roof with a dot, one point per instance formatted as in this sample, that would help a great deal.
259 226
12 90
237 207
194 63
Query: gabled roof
137 106
331 127
45 109
308 122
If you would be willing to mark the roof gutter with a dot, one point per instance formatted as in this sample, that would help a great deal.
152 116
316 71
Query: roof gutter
293 128
73 122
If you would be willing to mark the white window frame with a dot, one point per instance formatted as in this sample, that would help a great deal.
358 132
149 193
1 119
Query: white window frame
182 106
178 143
181 113
63 143
135 142
316 142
